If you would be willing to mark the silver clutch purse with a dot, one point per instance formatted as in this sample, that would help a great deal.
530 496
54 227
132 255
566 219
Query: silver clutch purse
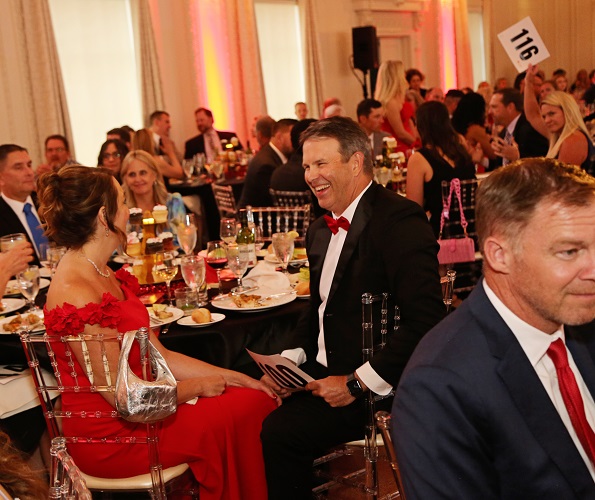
139 400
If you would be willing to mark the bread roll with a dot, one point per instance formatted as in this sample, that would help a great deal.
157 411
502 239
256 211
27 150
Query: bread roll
303 288
201 315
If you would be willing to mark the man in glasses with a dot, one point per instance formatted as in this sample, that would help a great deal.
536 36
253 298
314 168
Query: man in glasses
57 154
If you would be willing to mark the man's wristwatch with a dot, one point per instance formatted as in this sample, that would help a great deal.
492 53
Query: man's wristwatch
354 387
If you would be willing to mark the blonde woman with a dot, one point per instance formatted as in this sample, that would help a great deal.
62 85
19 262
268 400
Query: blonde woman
143 140
144 188
559 119
391 87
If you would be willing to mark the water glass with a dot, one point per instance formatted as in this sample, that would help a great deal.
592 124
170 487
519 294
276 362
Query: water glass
193 271
28 281
283 248
166 269
188 167
187 234
10 240
186 300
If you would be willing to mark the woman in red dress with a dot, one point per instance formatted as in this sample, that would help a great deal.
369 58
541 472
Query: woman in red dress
218 435
391 87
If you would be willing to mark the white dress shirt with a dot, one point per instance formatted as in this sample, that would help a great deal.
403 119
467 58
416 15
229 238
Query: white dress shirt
212 145
18 209
535 344
279 153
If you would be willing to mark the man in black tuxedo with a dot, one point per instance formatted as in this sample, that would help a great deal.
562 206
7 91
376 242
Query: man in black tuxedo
204 123
489 404
370 117
17 183
264 163
388 247
518 138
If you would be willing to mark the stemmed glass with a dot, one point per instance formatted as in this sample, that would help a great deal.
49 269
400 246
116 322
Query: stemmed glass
258 238
238 258
28 281
217 257
166 269
187 233
283 248
54 255
10 240
193 271
228 230
188 167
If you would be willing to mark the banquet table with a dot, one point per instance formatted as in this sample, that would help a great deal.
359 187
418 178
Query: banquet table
224 344
201 186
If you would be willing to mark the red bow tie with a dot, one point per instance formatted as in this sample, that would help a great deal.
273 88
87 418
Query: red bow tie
335 224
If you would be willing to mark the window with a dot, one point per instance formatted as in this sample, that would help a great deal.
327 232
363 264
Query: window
96 49
279 38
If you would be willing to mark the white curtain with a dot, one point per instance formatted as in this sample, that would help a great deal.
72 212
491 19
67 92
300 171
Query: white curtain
313 70
32 95
147 60
463 44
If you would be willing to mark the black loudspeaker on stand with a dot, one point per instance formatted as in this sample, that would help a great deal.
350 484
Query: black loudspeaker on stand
365 51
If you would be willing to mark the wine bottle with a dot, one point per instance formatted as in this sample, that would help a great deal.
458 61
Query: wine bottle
245 234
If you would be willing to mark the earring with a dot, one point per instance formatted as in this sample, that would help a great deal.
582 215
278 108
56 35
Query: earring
107 232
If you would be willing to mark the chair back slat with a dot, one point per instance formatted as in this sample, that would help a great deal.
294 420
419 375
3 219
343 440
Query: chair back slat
281 220
66 480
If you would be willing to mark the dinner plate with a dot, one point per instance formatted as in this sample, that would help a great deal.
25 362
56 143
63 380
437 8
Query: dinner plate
10 305
178 313
38 327
188 321
303 297
274 260
269 303
45 272
12 287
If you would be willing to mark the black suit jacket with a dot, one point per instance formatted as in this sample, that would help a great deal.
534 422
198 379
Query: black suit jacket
10 223
258 178
197 144
390 247
531 143
472 419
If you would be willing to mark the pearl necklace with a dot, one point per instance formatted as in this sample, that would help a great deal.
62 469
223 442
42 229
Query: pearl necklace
105 275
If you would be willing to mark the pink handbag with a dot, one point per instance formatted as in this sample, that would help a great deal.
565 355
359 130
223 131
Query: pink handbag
455 250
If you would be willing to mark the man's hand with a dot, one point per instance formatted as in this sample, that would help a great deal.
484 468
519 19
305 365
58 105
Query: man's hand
508 151
333 390
269 382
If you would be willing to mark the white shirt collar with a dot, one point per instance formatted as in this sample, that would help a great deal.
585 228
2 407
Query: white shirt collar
350 210
512 124
279 153
534 342
18 206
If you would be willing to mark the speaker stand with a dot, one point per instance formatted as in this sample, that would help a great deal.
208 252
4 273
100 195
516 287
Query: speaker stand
365 84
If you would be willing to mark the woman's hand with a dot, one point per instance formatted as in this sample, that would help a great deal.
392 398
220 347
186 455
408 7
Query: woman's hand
16 259
530 75
167 146
241 380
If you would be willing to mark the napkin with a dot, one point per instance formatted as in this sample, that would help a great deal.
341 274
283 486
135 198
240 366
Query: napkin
267 280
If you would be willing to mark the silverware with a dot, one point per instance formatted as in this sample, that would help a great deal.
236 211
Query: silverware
247 290
164 330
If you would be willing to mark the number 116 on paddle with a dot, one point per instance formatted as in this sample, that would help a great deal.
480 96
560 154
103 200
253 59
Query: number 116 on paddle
523 44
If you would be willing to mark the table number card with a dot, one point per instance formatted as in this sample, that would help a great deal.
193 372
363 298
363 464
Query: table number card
281 370
523 44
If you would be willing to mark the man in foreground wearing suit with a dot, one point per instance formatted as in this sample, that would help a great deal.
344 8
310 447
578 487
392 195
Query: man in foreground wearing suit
497 400
518 138
17 208
383 243
209 139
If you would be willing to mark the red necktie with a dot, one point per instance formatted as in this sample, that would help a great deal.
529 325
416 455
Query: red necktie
335 224
572 397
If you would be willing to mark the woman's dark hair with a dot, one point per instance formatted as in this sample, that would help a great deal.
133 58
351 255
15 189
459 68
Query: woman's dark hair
470 111
437 132
120 146
70 200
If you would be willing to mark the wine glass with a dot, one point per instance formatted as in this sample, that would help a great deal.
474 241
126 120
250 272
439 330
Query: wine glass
28 281
217 257
10 240
166 269
228 230
238 258
188 167
193 271
54 255
187 233
283 248
258 238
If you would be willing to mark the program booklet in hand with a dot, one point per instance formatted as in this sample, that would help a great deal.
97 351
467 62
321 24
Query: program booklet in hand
282 371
